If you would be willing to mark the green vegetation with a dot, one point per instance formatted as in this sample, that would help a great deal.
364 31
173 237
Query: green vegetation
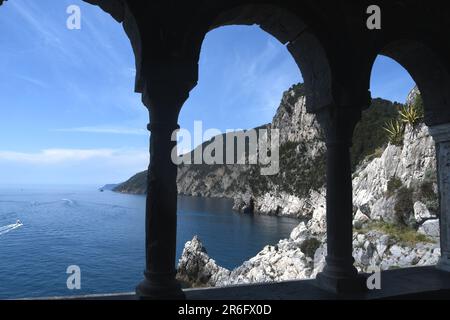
381 123
298 90
137 184
395 130
376 154
309 247
411 114
369 138
394 267
404 205
393 185
406 197
400 234
418 105
425 191
298 174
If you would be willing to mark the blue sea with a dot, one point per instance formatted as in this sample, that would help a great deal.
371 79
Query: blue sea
44 230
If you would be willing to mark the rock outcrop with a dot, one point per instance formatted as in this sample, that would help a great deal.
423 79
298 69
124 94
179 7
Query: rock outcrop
198 268
302 257
411 165
395 220
301 167
294 190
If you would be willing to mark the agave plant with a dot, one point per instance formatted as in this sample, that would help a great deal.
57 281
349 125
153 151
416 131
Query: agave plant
411 115
395 129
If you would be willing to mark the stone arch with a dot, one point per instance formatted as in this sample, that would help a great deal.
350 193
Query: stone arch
429 67
120 11
291 30
430 73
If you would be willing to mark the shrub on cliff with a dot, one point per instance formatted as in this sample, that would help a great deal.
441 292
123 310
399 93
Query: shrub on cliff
309 247
404 206
395 131
411 115
393 185
369 134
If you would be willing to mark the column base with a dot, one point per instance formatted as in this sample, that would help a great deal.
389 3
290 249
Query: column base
444 263
356 284
160 287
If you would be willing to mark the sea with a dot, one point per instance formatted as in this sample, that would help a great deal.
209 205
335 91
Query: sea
46 230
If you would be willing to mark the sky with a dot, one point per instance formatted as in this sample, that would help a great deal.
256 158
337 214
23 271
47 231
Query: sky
68 110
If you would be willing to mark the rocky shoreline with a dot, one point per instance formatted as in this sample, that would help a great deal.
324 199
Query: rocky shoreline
396 221
294 191
298 258
395 212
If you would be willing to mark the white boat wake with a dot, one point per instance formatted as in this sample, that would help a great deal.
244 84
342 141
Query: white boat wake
10 227
68 202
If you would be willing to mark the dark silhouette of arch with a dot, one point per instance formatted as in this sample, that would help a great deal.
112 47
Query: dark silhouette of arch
430 74
429 71
335 52
291 30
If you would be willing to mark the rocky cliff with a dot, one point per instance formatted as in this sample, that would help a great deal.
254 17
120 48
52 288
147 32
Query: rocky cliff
395 222
394 189
301 257
293 191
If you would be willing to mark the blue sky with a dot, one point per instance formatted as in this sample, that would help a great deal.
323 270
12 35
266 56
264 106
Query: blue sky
68 111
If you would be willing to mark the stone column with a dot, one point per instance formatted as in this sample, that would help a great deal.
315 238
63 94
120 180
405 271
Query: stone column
161 209
441 136
339 274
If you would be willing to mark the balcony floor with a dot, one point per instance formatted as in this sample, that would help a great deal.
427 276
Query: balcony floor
410 283
401 283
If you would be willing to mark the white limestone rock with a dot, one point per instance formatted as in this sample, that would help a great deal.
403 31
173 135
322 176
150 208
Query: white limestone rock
430 228
282 204
384 210
317 225
299 233
409 163
286 261
319 260
196 268
294 122
360 219
244 203
421 212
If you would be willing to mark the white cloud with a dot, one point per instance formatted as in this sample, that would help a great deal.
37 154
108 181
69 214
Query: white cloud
106 130
64 156
33 81
72 166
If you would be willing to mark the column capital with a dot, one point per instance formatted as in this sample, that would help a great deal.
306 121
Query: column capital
162 127
338 123
168 81
440 133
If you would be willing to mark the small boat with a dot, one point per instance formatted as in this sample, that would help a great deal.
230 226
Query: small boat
18 222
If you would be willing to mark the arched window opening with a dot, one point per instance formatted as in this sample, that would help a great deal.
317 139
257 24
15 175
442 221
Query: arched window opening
70 123
395 191
248 79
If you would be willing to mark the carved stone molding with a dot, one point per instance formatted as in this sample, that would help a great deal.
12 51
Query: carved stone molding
440 133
